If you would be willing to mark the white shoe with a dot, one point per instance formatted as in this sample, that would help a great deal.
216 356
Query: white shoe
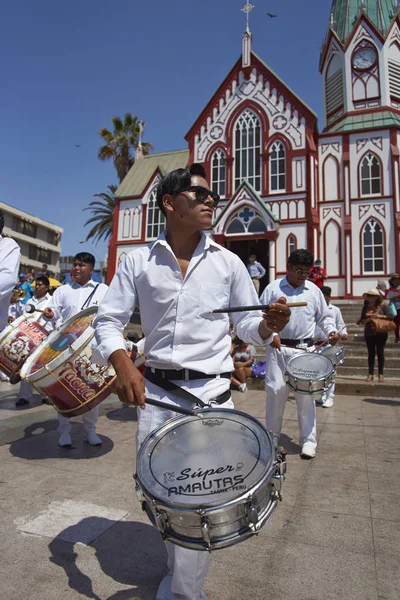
93 439
328 403
65 440
308 450
243 387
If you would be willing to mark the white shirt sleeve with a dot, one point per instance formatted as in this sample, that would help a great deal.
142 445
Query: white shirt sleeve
56 304
9 264
115 310
243 293
340 324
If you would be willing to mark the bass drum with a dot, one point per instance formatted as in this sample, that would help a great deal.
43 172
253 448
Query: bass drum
18 341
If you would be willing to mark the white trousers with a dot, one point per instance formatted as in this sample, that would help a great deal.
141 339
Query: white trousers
89 421
187 569
25 390
277 395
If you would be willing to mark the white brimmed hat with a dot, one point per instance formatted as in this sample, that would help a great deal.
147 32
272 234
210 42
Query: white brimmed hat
372 292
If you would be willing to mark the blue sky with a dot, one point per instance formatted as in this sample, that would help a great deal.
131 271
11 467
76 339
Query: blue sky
66 68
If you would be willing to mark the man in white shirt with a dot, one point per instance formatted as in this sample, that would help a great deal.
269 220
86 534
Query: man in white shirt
67 301
178 278
256 271
39 301
327 398
297 334
10 254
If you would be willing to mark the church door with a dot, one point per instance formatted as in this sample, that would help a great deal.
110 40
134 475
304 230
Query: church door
260 247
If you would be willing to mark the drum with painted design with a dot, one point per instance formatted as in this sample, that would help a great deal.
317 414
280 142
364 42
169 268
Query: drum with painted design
18 341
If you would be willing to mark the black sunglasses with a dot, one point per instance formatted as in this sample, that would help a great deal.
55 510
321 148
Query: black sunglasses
202 193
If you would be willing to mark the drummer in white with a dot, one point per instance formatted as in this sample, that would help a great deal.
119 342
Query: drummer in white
297 334
39 301
181 275
327 398
67 301
9 265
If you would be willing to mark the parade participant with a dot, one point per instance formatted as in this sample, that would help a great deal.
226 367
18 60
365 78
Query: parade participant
317 274
327 397
26 286
177 278
393 295
40 301
9 264
67 301
256 271
297 334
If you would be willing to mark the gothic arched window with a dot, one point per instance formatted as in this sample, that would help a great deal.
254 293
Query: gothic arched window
370 175
155 218
218 172
291 244
373 247
277 167
248 150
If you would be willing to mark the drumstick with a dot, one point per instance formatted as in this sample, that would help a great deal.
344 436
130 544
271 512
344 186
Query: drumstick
230 309
178 409
31 309
327 340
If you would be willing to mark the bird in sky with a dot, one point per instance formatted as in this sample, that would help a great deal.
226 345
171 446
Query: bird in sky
77 145
271 16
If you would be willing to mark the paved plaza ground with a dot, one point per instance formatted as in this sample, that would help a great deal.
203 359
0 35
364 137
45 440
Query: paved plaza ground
72 527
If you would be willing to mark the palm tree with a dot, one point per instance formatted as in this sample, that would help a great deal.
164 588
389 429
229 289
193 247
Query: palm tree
102 215
122 143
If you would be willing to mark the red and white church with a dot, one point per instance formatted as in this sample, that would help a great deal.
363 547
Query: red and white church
283 184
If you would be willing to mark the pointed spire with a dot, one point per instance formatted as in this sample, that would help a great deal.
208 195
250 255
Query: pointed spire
246 38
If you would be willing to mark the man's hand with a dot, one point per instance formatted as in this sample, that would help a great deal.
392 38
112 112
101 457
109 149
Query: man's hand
275 319
333 338
344 337
48 313
130 383
276 342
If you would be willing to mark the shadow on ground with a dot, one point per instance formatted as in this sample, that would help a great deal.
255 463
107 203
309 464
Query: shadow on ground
290 446
382 402
30 448
128 552
125 413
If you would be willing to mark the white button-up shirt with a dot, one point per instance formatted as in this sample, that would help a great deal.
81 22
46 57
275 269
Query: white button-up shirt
303 318
69 300
339 323
171 308
10 254
41 304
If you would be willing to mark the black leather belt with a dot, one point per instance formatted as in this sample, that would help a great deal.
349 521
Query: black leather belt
184 374
294 343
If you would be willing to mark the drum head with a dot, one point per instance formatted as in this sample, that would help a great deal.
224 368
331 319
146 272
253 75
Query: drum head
332 351
309 366
60 340
192 461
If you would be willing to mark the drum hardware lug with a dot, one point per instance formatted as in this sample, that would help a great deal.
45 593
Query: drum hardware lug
206 531
252 514
161 522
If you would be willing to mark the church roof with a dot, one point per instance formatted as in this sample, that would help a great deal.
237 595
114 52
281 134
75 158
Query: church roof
144 168
375 120
345 14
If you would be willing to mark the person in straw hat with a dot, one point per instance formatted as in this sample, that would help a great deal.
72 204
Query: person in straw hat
375 308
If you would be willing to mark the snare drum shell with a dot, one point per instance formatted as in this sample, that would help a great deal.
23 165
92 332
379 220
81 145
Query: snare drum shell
300 380
18 341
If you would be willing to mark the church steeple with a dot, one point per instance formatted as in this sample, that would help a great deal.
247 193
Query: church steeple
345 13
246 38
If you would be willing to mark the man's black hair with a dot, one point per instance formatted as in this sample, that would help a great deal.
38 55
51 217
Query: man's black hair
326 290
43 279
85 257
1 221
44 266
176 181
301 257
253 256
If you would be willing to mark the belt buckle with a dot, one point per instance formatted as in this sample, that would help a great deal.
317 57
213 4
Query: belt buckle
186 374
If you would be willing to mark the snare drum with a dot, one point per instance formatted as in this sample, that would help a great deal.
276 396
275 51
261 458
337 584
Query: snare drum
61 369
17 342
309 373
337 354
209 482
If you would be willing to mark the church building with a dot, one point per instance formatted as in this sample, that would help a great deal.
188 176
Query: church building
284 182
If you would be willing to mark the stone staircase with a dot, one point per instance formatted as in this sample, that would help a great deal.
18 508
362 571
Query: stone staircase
351 375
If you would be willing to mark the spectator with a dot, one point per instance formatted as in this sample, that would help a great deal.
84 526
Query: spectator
381 287
318 274
256 271
393 294
243 355
23 284
374 308
44 272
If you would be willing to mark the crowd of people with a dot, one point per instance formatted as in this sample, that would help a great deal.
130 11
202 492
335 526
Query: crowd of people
191 359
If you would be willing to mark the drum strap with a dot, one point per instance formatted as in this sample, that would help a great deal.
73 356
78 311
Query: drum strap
169 386
88 299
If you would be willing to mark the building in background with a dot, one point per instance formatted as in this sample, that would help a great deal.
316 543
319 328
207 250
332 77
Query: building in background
284 185
39 240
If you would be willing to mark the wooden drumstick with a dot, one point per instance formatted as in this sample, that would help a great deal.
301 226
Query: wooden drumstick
177 409
264 307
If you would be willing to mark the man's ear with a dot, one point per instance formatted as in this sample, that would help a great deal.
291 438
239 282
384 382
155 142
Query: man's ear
167 203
